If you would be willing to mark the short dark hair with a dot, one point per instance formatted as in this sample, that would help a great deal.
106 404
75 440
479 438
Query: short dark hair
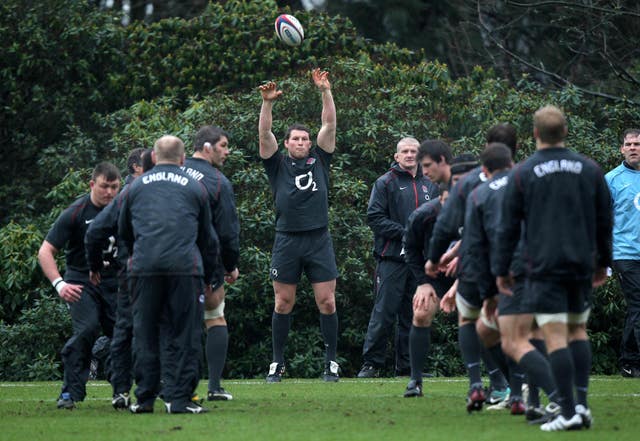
463 163
107 170
634 132
134 158
436 149
504 133
210 134
496 156
296 126
147 160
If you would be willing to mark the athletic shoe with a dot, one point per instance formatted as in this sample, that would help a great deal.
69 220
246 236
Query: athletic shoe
414 389
475 399
560 423
551 411
121 401
276 370
196 399
191 407
368 371
219 395
626 371
497 395
517 407
141 408
331 372
630 371
585 414
534 413
502 405
65 401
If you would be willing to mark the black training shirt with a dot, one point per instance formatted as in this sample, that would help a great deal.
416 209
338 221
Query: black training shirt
395 195
223 208
565 204
300 190
68 232
450 222
417 235
165 223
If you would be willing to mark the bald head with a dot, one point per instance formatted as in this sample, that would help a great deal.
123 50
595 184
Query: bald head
169 149
549 125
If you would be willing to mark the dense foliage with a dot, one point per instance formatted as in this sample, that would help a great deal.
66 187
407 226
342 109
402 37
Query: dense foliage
175 75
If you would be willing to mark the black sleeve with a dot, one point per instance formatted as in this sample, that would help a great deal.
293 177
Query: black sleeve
508 233
448 224
419 226
207 240
225 218
61 230
125 229
491 218
271 166
412 242
604 222
97 237
378 216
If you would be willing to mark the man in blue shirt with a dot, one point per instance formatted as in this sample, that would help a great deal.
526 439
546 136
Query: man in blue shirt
624 184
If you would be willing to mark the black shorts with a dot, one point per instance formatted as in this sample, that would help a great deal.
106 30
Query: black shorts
308 251
442 284
468 300
470 293
513 305
558 297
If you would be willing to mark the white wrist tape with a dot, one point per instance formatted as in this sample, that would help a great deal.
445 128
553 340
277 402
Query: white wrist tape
59 284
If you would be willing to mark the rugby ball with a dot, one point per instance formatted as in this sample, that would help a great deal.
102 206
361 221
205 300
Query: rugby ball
289 30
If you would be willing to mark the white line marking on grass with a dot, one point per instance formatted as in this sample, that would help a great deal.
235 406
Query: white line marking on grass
258 381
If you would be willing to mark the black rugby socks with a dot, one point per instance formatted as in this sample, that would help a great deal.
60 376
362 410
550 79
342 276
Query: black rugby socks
280 325
217 345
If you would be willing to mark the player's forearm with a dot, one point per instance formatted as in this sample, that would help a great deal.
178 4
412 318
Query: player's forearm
327 133
47 262
328 109
267 140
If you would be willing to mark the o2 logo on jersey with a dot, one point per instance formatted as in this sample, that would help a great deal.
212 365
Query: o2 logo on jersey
636 201
111 252
305 181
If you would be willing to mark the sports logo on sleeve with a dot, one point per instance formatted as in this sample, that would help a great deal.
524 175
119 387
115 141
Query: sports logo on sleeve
305 181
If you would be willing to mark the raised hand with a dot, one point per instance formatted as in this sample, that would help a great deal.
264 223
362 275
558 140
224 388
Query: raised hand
321 79
269 91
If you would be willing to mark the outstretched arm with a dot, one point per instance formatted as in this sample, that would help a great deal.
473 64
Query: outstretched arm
327 133
268 142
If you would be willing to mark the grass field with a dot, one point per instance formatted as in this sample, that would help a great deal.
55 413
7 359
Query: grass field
308 410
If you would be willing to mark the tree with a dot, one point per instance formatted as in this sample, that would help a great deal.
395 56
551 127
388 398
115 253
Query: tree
591 45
